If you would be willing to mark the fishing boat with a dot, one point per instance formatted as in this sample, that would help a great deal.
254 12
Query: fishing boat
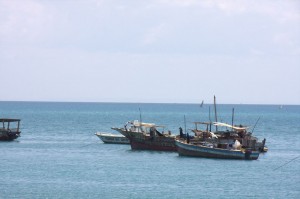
229 135
233 144
146 136
110 138
213 150
10 129
241 134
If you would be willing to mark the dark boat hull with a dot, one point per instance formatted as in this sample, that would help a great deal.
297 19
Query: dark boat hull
4 136
152 145
140 141
185 149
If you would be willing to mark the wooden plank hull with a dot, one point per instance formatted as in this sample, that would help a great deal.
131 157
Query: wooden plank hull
152 145
142 141
9 136
185 149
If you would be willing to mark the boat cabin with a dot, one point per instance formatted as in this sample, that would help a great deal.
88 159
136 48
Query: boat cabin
136 126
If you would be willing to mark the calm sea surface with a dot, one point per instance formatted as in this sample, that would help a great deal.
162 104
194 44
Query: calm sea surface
58 155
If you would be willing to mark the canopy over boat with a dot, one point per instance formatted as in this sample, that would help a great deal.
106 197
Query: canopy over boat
141 124
9 120
230 126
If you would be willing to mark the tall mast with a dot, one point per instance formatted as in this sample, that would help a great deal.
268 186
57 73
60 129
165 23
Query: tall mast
209 119
232 118
140 115
140 120
184 124
215 112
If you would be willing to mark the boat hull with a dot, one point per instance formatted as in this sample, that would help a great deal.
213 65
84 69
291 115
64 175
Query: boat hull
9 136
152 145
112 139
142 141
185 149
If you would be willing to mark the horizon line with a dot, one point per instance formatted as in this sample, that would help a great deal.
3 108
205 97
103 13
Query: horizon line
115 102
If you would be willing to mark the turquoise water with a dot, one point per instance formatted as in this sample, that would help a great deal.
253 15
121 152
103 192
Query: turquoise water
58 155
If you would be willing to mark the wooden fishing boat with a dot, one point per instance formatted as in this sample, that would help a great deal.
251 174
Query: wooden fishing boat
110 138
210 150
145 136
241 134
10 129
229 135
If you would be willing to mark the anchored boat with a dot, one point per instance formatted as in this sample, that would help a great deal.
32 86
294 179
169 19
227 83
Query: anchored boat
10 129
234 144
241 134
210 150
145 136
110 138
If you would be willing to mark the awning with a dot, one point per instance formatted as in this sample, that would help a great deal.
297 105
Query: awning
230 126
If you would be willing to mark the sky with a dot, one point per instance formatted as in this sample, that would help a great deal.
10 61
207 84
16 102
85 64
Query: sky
154 51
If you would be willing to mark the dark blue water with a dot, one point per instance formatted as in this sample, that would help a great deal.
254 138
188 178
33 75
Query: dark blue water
58 155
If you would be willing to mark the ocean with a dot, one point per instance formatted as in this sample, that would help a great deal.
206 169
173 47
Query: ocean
58 155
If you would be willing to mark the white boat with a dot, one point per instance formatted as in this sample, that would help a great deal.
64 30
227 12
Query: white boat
112 138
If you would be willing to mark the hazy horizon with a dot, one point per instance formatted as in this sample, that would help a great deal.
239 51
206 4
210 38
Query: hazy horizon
116 102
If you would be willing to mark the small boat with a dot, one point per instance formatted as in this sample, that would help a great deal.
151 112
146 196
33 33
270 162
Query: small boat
10 129
110 138
145 136
210 150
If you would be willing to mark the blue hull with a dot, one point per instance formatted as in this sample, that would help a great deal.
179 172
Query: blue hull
207 152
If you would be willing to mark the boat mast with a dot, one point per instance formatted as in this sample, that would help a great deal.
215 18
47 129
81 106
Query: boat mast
232 118
140 120
184 124
140 115
209 119
215 112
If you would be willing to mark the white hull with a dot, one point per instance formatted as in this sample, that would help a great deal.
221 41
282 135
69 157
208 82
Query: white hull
112 138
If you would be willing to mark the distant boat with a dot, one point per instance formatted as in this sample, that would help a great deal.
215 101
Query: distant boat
201 105
145 136
7 133
110 138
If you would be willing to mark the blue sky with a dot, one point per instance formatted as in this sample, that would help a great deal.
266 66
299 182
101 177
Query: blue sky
150 51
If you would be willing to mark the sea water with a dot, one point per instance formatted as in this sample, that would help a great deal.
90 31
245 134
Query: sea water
58 155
